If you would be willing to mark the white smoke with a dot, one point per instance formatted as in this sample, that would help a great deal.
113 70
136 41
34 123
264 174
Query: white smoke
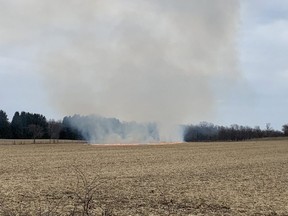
97 129
136 60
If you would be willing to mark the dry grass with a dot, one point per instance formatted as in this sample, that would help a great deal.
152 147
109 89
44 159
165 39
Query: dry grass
245 178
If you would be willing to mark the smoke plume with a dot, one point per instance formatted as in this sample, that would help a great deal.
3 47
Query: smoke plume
136 60
97 129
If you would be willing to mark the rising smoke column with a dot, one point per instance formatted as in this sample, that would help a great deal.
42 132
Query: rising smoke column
100 130
140 60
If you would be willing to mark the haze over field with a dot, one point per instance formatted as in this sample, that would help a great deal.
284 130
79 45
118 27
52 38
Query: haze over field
145 60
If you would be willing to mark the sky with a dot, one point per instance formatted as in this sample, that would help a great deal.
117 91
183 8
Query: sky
247 87
262 47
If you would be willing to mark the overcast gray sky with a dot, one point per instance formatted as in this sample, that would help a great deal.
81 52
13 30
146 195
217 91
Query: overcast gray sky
262 48
257 97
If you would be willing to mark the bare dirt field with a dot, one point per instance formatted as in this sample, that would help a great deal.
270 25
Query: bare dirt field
244 178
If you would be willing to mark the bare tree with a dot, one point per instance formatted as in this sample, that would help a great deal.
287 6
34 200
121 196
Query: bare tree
54 129
36 131
285 129
269 129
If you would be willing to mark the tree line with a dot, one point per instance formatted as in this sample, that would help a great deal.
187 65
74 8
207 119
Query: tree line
34 126
25 125
210 132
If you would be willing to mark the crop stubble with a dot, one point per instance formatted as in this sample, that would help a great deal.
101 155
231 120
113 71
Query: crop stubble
244 178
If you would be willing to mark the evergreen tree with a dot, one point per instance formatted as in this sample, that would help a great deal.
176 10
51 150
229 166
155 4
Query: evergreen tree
21 123
5 131
17 126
